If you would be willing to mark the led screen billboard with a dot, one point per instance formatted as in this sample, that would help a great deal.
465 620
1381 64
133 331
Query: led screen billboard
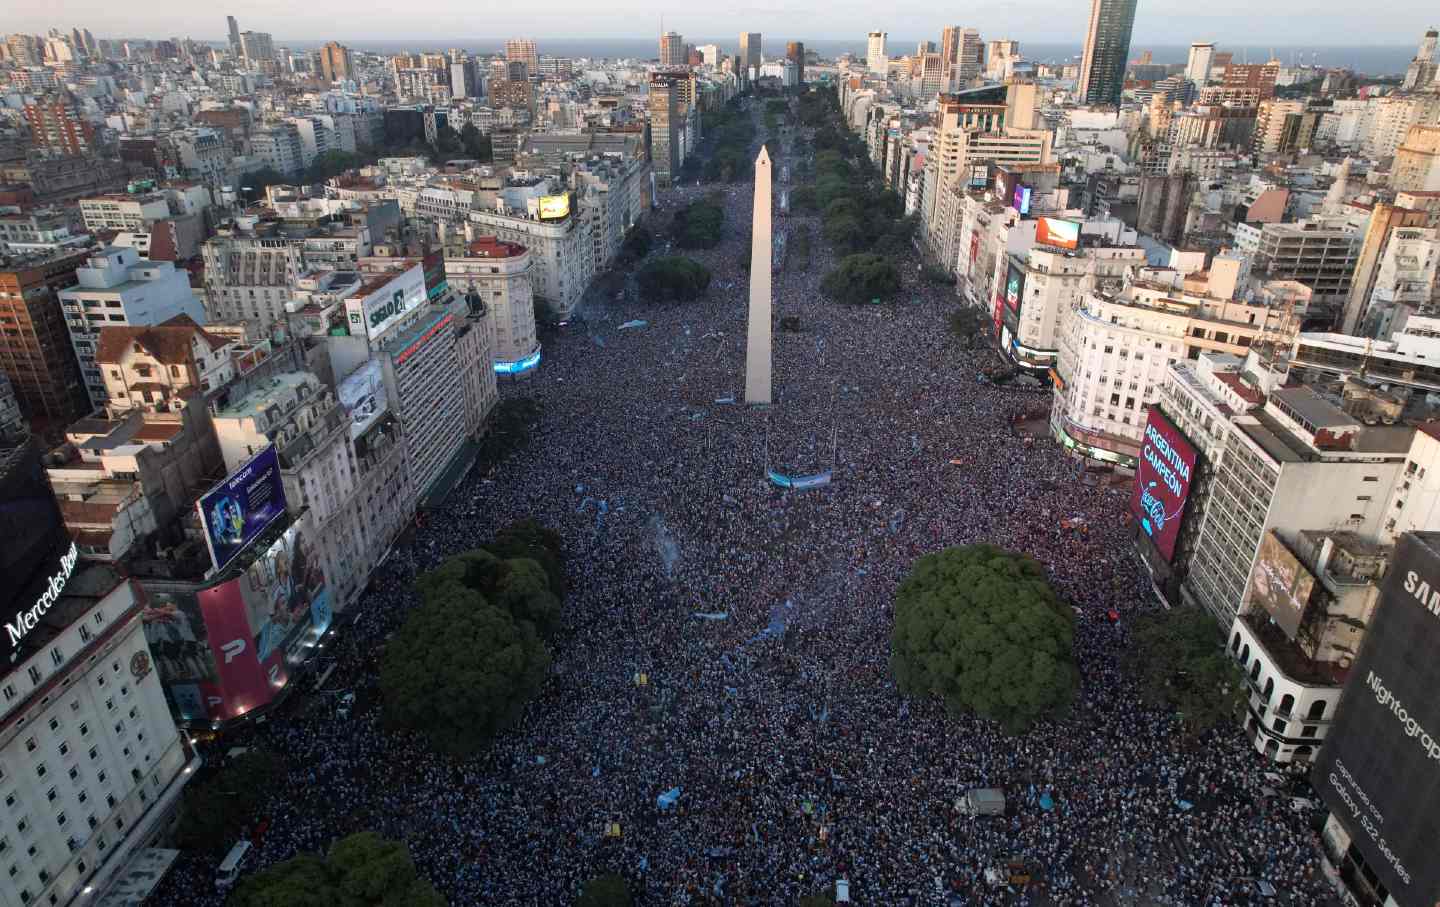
1014 288
1281 585
554 207
1064 234
1021 200
239 508
1162 481
1379 770
227 649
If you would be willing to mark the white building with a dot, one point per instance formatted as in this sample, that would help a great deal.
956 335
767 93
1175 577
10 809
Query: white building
91 763
499 273
124 211
561 250
248 277
875 59
116 288
1197 66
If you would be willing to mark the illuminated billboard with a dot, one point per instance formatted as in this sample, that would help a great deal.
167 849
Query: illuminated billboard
239 508
228 649
519 365
1014 288
1281 585
554 207
1021 200
1379 770
1162 481
381 302
38 556
1051 231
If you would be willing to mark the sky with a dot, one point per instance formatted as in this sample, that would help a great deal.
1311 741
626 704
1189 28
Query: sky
1281 22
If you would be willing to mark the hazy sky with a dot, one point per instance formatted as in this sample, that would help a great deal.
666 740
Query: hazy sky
1280 22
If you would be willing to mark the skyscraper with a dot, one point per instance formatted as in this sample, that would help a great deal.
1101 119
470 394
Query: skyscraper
795 53
523 50
234 35
335 62
750 53
672 49
875 59
1197 68
1107 49
969 57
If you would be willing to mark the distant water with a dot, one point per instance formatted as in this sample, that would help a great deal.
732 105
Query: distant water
1372 60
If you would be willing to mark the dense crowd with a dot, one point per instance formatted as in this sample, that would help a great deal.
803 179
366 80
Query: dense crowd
731 640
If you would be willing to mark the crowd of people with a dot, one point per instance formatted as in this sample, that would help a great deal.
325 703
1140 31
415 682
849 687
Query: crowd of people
720 725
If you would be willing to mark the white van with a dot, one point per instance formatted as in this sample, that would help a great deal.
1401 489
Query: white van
229 869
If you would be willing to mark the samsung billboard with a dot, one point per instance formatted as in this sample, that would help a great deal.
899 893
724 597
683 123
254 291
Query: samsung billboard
1163 476
234 512
1379 770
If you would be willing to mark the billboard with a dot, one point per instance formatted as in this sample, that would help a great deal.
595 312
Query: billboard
1051 231
227 649
1021 200
38 557
1162 481
239 508
554 207
1281 585
1014 287
1379 770
381 302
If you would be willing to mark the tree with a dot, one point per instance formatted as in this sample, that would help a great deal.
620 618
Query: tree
529 539
637 243
254 183
510 424
609 890
845 233
980 627
462 668
861 278
967 321
673 278
516 584
698 225
331 163
475 144
362 870
936 275
215 811
1179 656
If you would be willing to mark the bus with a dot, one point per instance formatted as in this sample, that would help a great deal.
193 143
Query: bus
229 869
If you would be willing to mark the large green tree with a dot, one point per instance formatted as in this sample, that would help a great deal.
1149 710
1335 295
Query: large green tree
609 890
362 870
527 538
861 278
673 278
1179 657
698 225
215 810
464 664
980 627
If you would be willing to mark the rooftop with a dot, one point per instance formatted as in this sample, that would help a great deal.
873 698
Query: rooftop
262 395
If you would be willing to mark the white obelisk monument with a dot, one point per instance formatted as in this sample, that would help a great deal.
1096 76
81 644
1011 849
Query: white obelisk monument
757 347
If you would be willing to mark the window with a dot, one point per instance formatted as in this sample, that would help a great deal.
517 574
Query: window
84 729
40 770
30 745
34 673
61 819
57 656
50 795
10 693
64 748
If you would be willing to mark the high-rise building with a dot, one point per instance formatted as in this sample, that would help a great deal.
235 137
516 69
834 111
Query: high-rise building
711 54
234 35
1000 57
875 59
256 46
35 348
667 129
795 53
1197 67
750 53
335 62
500 273
672 49
1259 77
55 123
1421 71
25 50
1107 49
523 50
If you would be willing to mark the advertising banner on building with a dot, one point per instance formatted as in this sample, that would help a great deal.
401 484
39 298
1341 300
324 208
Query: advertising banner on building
228 649
1014 288
1379 770
1281 585
381 303
1021 200
1162 481
239 508
1051 231
554 207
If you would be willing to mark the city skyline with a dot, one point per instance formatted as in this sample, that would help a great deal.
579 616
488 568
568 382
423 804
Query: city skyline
1162 22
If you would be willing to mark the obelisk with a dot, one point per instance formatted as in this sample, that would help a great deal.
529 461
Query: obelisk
757 346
